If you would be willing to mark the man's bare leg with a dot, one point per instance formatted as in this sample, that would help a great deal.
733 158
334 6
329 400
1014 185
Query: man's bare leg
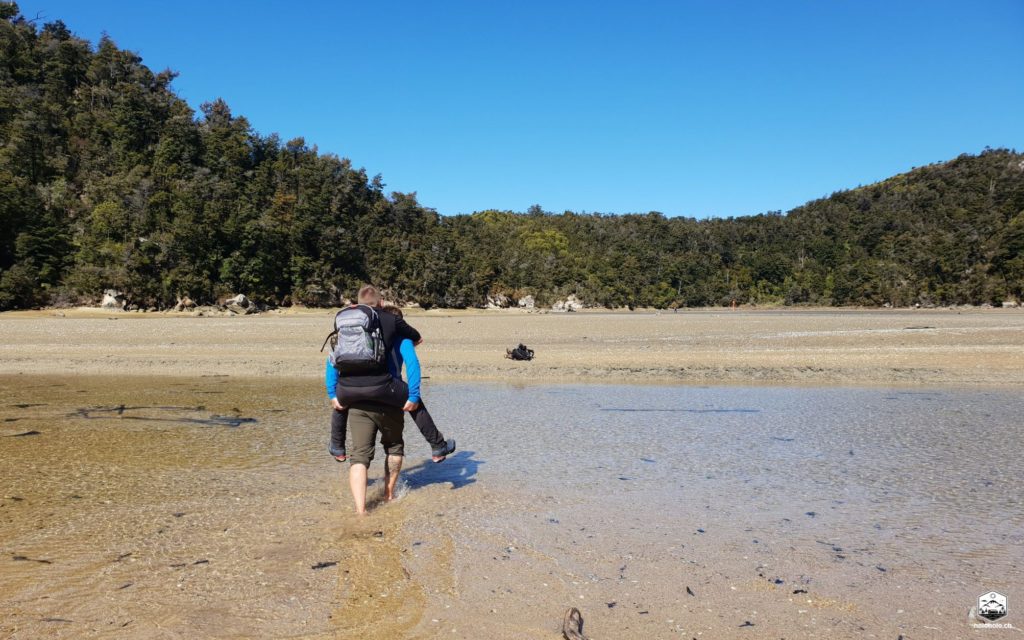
392 465
357 482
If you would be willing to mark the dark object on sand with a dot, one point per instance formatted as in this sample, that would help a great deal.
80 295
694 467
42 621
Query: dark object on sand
522 352
323 565
27 433
572 625
17 558
91 413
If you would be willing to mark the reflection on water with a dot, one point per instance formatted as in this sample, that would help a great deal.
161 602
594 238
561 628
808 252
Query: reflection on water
209 507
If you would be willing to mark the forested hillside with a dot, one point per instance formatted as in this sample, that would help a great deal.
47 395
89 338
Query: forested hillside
109 180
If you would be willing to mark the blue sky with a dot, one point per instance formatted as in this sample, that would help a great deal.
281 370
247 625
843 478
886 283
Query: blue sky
688 108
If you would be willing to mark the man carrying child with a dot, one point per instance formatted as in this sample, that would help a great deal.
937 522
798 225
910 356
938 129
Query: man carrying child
364 383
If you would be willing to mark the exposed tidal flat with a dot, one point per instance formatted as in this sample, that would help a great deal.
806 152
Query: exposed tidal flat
808 347
159 490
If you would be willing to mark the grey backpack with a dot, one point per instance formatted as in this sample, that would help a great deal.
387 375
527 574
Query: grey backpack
357 342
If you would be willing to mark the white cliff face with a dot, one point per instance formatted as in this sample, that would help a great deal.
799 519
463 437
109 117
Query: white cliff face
572 303
112 299
498 301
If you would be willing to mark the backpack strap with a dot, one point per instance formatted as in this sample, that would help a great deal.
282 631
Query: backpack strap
373 312
328 339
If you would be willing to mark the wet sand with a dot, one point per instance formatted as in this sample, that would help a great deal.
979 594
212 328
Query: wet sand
807 347
180 508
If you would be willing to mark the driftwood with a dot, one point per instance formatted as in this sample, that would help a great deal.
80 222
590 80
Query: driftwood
572 625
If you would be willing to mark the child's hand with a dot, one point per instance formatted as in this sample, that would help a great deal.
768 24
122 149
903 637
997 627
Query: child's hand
337 405
410 406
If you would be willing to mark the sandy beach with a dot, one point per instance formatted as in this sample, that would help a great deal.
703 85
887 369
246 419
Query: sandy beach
815 347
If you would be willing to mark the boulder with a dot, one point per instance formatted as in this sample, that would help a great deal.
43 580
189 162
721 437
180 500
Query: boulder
113 299
184 304
239 301
240 305
1010 304
241 311
526 302
559 306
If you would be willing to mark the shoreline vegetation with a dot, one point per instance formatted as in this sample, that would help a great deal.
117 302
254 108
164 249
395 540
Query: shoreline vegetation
765 346
111 181
225 310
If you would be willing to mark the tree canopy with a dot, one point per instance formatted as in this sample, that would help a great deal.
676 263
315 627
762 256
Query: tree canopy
109 180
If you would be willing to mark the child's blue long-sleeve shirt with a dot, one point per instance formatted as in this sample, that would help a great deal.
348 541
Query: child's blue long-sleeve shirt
331 380
406 354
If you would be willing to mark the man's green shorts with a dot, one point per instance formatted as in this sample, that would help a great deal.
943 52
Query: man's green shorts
363 425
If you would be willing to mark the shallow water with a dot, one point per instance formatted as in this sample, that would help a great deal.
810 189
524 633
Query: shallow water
199 508
892 509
